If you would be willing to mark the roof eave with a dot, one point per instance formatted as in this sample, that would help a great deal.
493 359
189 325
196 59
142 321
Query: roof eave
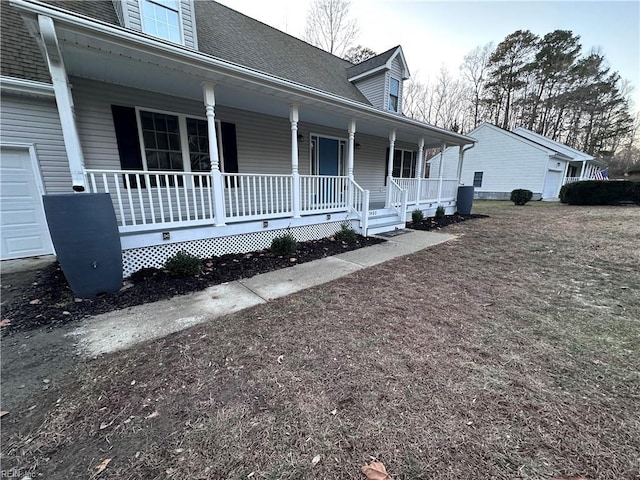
182 54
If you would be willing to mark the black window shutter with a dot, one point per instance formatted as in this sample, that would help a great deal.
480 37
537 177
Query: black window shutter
126 128
386 166
229 149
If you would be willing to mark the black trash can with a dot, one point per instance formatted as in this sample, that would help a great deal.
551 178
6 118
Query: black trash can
465 199
84 231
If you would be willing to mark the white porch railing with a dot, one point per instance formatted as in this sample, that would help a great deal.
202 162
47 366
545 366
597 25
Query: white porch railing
431 190
448 190
411 186
323 194
571 180
148 199
252 196
397 199
360 204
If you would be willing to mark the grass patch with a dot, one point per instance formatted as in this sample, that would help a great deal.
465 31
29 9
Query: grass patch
512 352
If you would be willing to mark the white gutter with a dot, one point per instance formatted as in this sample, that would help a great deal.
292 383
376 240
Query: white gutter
185 55
461 160
26 87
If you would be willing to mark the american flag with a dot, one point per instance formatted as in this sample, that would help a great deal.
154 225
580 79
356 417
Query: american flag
601 175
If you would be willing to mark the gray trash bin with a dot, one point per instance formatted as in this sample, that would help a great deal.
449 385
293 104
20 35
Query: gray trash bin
465 199
84 231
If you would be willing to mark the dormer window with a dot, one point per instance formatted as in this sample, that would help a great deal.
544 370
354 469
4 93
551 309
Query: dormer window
161 18
394 94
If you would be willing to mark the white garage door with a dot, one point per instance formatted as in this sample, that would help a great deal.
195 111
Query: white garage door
24 231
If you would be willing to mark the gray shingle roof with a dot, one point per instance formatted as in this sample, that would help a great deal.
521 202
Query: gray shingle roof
19 54
222 33
232 36
371 63
102 10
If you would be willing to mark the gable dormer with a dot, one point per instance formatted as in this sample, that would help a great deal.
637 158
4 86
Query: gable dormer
170 20
381 78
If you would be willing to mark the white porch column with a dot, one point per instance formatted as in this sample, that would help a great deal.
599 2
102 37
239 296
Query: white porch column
392 144
295 175
443 146
350 156
582 170
419 165
214 156
64 102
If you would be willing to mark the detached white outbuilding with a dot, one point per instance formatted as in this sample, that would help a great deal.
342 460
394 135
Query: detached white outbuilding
502 161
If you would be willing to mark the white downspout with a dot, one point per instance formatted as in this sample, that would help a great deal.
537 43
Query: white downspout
64 102
461 160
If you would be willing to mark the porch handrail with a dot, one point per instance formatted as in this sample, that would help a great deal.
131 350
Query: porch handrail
398 199
144 199
360 205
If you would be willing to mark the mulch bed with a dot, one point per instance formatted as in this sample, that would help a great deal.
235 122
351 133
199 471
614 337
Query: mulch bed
49 302
432 223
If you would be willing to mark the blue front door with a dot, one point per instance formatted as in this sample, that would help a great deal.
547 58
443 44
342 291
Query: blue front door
328 153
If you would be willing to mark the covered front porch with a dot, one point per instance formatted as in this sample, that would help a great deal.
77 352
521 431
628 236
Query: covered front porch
301 160
582 170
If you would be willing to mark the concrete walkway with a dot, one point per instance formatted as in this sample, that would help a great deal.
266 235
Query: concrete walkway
122 329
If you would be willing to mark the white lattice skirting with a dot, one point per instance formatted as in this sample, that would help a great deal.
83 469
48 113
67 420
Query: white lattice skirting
155 256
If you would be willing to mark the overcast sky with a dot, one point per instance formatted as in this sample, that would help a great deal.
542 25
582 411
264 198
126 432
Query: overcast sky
433 33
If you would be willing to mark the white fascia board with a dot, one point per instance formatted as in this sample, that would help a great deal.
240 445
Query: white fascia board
579 154
369 73
178 53
26 87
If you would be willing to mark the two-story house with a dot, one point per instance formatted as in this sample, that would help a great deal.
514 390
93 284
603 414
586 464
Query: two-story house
212 132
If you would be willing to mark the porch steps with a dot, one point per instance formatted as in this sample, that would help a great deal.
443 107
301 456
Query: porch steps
383 220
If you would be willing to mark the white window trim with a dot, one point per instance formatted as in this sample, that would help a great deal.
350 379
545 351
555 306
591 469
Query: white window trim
341 161
414 158
391 77
184 138
180 21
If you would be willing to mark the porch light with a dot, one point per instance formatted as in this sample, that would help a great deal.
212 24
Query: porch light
300 138
357 146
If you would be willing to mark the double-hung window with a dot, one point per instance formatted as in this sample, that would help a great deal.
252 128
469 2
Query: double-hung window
177 143
394 94
477 179
161 18
404 164
172 143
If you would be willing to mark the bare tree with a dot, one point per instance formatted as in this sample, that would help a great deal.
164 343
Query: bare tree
329 26
474 70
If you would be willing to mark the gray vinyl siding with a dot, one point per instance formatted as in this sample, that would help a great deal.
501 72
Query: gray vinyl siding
374 89
133 14
263 141
135 20
120 12
35 121
188 24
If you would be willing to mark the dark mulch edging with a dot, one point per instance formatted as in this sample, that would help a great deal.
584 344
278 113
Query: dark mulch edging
432 223
50 302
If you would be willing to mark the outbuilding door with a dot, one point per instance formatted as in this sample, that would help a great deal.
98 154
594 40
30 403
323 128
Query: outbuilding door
552 184
23 226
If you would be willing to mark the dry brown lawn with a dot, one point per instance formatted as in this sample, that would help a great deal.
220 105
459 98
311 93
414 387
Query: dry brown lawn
511 352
